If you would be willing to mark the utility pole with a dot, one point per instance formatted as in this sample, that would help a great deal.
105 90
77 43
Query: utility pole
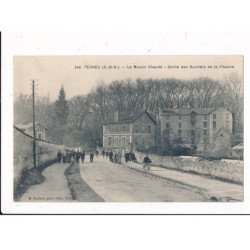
34 123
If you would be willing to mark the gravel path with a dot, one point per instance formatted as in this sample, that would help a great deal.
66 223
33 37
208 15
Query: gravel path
115 183
54 188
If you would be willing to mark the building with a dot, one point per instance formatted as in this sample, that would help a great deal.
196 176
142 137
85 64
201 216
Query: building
129 130
237 151
201 129
41 131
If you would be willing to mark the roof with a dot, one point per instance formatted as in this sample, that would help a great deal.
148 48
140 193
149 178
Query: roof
27 126
128 117
237 137
224 129
188 111
239 146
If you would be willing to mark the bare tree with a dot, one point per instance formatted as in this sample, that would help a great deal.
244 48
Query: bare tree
234 97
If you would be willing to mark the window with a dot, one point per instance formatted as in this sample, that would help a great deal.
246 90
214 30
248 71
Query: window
119 141
214 116
116 141
142 128
179 117
123 141
179 125
205 140
116 128
39 136
214 125
127 140
205 124
123 128
149 129
227 116
179 133
168 117
167 125
227 124
205 132
136 128
127 128
110 141
205 117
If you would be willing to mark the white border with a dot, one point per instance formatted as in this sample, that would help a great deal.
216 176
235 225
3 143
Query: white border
114 44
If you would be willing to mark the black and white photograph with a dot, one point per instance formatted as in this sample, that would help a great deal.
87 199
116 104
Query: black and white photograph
128 129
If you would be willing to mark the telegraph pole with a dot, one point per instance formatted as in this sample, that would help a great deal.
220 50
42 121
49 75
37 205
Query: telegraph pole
34 123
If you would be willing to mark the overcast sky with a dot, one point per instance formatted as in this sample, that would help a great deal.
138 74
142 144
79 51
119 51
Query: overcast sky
51 72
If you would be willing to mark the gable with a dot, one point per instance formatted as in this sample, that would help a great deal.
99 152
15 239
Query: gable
144 118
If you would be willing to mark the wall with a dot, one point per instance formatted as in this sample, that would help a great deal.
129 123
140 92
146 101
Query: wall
23 157
231 170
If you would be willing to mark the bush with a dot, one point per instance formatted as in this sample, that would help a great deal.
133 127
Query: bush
177 151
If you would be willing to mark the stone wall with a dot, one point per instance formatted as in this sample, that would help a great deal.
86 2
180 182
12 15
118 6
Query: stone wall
23 153
230 170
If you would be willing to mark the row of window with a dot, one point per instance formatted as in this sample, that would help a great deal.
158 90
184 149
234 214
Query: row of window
116 141
204 125
125 128
124 141
142 128
204 117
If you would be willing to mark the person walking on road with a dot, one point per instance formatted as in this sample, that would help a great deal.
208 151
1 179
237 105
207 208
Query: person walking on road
59 156
77 156
115 158
103 153
91 155
82 156
97 153
111 156
107 154
126 156
64 157
146 163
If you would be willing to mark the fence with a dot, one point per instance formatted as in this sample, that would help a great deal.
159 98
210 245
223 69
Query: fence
46 154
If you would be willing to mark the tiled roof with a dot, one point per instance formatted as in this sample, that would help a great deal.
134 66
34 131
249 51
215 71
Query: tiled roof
127 117
187 111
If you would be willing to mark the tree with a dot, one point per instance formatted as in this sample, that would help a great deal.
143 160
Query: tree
62 108
193 138
61 116
169 141
234 97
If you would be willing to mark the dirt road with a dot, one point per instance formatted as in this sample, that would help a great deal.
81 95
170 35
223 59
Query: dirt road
116 183
53 189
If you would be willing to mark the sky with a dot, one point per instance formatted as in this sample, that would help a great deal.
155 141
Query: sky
80 74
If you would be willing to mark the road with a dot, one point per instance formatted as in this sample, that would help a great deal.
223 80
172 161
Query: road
116 183
54 188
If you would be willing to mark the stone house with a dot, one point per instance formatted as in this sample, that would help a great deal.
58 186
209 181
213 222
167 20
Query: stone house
41 131
129 130
205 129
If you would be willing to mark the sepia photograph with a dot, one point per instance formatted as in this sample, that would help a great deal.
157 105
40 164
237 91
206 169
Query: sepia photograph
128 129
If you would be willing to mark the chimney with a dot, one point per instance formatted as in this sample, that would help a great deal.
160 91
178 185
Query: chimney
116 116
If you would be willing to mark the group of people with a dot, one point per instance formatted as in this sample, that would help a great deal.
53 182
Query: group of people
113 157
71 155
130 156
